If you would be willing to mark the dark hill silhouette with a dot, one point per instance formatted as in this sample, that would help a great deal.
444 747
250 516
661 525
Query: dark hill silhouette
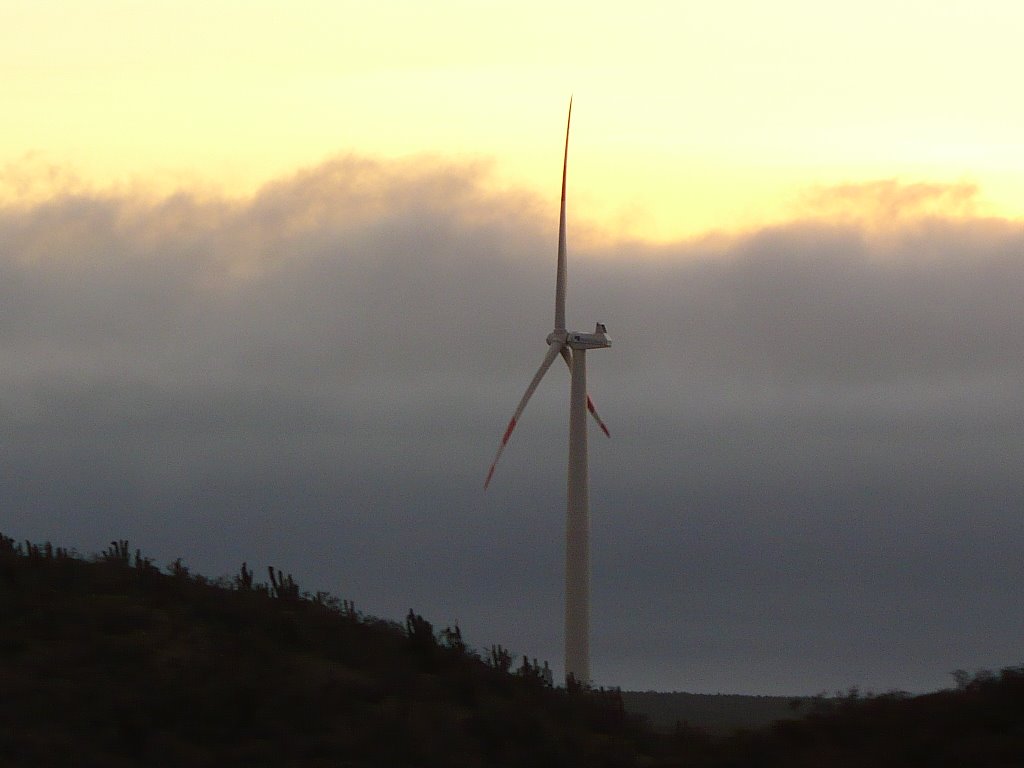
109 661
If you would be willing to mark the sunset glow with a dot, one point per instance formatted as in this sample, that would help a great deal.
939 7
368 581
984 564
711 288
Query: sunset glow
689 119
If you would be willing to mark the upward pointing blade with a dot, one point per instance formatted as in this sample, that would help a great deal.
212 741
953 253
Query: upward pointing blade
561 277
549 358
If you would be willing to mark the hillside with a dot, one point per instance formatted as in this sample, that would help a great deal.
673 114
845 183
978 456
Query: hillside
110 661
113 660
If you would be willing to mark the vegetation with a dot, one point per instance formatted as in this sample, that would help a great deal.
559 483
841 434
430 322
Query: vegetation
116 663
111 661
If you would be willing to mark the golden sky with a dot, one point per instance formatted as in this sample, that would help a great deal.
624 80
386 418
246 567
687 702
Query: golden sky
688 117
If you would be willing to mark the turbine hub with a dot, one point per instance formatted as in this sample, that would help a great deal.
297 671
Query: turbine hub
559 336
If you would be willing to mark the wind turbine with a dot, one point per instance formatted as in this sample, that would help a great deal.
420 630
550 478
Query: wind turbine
572 346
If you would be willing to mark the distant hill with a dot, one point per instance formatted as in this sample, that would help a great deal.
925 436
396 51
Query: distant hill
110 661
715 713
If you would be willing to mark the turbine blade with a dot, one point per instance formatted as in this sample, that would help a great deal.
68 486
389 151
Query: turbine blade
561 277
549 358
593 412
590 403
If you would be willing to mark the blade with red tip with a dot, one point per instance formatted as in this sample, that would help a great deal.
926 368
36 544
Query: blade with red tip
593 412
566 355
549 358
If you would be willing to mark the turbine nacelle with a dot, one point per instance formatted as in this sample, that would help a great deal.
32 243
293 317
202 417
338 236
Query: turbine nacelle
599 339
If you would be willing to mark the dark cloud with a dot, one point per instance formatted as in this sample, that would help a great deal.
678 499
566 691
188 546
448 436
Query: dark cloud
818 427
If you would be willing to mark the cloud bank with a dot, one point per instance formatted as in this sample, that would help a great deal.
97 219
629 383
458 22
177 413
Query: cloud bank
818 427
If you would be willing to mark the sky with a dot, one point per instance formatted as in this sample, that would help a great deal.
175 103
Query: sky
273 278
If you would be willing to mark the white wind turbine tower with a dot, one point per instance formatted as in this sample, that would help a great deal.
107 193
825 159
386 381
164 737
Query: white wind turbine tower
572 346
